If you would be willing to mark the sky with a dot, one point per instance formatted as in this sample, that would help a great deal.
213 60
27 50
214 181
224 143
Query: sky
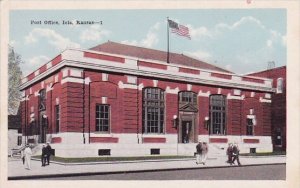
239 40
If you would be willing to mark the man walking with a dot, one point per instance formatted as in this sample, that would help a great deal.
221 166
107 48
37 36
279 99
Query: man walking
27 154
236 153
204 152
44 155
198 153
48 152
229 153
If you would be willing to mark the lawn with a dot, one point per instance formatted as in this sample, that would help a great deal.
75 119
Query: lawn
107 159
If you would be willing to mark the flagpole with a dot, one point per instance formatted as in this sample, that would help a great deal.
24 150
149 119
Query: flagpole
168 53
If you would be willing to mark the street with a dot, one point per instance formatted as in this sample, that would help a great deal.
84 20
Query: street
261 172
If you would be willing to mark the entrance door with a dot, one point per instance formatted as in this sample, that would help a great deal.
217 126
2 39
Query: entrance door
43 128
186 128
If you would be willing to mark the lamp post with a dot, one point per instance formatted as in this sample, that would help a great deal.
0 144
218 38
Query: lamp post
206 123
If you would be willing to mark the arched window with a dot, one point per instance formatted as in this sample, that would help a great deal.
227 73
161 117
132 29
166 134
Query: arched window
279 85
153 110
217 111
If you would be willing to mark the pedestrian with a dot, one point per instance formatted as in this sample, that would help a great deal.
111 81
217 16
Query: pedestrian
44 155
229 153
236 153
27 154
22 155
199 152
204 152
48 152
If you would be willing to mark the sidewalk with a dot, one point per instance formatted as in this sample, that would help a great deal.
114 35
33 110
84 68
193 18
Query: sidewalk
16 169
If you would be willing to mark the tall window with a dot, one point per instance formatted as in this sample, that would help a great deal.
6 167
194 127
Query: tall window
102 117
153 110
188 97
250 127
57 118
217 114
42 100
279 85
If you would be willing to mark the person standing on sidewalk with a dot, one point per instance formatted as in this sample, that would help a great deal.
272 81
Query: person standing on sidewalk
27 154
22 155
199 152
48 152
44 155
236 153
229 153
204 152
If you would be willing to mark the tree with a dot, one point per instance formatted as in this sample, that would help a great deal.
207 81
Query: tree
14 81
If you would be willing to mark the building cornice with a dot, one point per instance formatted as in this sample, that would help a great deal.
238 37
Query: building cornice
75 58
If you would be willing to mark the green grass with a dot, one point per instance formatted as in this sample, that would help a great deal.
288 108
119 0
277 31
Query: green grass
107 159
264 153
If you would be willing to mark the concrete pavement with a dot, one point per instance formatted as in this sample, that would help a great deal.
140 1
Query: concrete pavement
16 169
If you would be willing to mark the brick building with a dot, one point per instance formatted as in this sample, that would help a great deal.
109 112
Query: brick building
278 105
122 100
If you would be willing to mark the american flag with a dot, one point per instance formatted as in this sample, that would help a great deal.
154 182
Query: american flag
178 29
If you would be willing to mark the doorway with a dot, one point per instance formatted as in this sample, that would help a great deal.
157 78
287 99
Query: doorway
186 127
43 127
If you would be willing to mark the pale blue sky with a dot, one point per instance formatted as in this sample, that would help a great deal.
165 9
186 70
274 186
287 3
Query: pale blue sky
240 40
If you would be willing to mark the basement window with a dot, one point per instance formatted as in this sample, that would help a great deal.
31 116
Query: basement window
252 150
155 151
102 152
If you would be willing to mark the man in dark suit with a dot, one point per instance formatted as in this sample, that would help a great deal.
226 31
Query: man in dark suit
44 155
236 153
48 153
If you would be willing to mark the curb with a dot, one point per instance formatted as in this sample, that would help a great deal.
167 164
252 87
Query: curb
120 162
129 171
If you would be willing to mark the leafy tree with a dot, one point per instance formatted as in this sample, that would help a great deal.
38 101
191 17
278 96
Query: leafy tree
14 81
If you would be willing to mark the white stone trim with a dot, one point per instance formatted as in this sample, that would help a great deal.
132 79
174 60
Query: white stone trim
49 65
104 77
153 136
65 72
76 72
70 79
37 72
172 69
172 91
104 100
75 58
56 78
252 94
126 86
268 96
205 74
87 80
155 82
141 86
30 91
36 94
131 62
264 100
189 87
202 94
49 88
236 78
131 79
229 96
237 92
42 84
219 90
25 79
57 100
